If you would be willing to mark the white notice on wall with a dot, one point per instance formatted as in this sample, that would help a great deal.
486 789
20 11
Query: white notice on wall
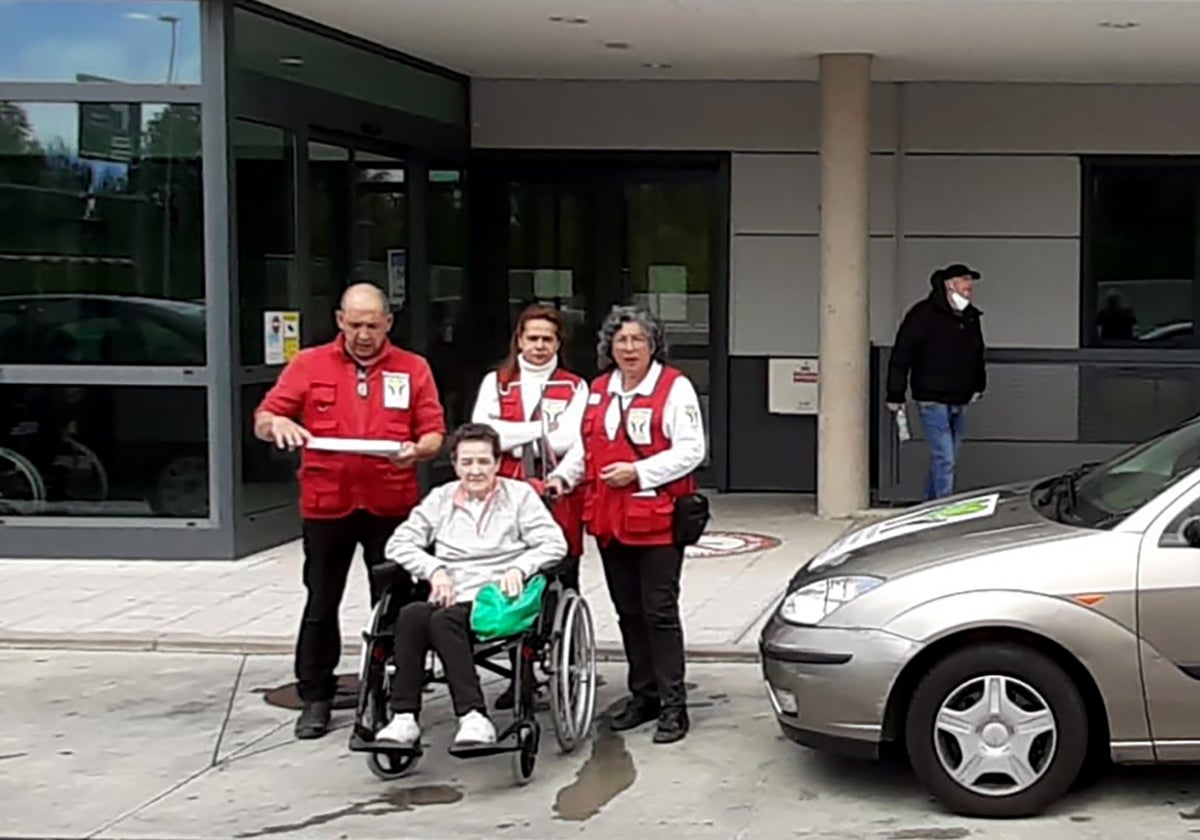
793 386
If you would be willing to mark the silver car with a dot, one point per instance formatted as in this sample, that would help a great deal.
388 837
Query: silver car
1003 638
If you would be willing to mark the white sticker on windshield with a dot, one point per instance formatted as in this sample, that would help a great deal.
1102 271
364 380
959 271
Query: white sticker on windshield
979 507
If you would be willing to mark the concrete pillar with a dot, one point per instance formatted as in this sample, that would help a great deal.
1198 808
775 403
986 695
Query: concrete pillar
843 454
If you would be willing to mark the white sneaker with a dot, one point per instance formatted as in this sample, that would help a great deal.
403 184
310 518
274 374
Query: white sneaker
474 730
401 729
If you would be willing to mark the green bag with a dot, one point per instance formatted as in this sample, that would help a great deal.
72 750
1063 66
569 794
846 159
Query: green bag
495 615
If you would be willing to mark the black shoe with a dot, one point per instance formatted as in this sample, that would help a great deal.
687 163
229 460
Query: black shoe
507 699
314 720
636 712
673 725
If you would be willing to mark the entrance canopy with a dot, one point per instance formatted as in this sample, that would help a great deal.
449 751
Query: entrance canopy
912 40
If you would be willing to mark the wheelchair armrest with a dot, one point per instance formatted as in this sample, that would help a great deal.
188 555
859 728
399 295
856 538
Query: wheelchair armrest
385 575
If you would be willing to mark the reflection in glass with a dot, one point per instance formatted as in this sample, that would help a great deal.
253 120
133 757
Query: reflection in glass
265 238
142 41
103 450
101 251
449 350
381 235
268 473
1141 244
273 48
329 243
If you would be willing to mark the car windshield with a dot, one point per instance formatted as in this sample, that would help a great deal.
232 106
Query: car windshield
1100 496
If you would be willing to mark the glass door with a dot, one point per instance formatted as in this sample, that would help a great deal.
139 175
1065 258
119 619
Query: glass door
584 238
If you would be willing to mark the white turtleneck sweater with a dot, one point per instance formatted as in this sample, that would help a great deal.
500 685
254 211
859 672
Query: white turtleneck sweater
514 435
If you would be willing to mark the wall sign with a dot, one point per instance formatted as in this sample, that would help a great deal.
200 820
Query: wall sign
793 386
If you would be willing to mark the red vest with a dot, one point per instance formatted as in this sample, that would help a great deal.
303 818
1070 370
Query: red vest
334 484
616 512
567 511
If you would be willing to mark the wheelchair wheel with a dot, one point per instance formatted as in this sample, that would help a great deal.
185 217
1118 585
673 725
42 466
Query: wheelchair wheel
389 765
573 672
22 490
524 759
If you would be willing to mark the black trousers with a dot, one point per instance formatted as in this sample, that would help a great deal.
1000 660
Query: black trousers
329 546
643 582
422 627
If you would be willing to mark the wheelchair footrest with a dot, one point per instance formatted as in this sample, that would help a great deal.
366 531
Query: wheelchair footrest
482 750
360 744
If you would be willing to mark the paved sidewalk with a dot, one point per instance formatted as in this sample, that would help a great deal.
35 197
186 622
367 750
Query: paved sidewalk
253 605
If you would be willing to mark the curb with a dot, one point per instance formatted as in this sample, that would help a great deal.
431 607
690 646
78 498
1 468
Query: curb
278 646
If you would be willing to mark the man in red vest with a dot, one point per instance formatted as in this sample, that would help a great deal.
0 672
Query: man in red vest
358 386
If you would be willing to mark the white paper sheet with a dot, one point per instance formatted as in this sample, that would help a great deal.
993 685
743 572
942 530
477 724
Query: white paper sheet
357 446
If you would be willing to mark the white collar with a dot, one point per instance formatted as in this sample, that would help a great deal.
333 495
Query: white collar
536 371
644 389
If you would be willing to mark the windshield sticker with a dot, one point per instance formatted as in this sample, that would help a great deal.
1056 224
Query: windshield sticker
966 510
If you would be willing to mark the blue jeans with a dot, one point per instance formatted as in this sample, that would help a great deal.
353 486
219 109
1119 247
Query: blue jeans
944 426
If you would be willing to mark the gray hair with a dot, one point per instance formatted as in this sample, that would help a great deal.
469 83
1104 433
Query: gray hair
644 318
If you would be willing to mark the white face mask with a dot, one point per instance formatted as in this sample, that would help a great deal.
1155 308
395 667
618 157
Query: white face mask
958 301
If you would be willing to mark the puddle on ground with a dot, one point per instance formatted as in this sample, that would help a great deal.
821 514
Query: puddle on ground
401 799
608 771
286 696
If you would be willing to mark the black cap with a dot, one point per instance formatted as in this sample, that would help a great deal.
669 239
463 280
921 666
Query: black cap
956 270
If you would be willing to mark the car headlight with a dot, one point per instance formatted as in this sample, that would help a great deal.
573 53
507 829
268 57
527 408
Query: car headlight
812 603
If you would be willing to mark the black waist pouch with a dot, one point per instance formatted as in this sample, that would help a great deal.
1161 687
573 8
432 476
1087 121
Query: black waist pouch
691 516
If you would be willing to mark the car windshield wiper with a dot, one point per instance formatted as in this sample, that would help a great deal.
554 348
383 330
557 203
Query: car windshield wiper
1064 489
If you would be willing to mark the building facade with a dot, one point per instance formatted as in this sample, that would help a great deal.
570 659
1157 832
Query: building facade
186 182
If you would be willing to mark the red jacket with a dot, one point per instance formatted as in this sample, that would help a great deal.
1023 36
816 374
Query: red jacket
618 512
567 511
319 388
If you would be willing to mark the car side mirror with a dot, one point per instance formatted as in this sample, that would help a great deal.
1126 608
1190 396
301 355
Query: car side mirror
1190 532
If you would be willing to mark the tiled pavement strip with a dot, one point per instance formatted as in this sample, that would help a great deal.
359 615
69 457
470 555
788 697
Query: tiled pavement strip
253 605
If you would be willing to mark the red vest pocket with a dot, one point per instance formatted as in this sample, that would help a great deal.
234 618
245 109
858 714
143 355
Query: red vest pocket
321 418
321 487
648 515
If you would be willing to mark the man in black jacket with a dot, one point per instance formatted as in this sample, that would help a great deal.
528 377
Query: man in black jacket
939 346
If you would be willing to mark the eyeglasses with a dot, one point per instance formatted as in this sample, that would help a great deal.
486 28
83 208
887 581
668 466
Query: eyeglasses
362 383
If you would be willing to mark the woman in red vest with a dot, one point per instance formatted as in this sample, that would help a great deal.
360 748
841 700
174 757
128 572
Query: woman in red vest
529 400
641 442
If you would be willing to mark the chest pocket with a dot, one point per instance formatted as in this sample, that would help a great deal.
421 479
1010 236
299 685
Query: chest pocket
322 408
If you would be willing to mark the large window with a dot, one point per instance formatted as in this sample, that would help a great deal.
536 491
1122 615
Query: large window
266 250
105 450
1142 253
144 41
101 250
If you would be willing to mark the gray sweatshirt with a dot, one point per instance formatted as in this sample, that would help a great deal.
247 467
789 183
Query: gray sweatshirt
477 542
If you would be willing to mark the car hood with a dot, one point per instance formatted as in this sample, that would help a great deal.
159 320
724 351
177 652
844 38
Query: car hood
938 532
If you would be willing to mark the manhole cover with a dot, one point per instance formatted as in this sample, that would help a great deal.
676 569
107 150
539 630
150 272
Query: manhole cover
726 543
285 696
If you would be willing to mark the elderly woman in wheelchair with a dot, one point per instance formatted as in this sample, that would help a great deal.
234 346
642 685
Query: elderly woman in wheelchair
468 534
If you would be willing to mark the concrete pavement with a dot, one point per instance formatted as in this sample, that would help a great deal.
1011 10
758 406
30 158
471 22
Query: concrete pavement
253 605
134 746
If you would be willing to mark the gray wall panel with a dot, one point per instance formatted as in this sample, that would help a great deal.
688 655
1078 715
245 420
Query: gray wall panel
775 285
987 463
1030 289
995 196
726 116
1052 118
781 193
1023 402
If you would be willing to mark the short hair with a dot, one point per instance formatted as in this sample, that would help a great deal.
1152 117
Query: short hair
644 318
469 432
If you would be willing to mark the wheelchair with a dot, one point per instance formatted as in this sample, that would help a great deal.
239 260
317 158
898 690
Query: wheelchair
558 653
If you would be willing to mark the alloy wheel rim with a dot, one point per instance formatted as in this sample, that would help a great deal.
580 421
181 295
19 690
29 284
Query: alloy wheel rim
995 735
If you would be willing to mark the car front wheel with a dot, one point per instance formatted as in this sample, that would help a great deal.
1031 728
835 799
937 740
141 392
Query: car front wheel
997 730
